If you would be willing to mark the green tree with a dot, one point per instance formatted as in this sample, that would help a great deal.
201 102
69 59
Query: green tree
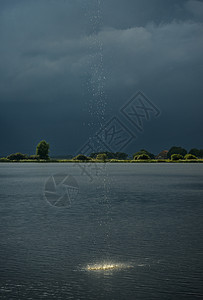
176 157
42 150
176 150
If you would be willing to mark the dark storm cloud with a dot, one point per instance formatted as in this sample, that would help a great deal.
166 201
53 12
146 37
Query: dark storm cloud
51 54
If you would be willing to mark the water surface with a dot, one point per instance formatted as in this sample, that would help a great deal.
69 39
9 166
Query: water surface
144 221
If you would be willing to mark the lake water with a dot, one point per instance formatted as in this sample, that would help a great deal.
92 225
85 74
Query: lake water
116 231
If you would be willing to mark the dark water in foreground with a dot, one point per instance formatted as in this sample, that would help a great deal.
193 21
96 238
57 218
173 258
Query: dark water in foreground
145 219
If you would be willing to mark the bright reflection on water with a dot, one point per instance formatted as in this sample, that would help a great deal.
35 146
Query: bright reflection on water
106 266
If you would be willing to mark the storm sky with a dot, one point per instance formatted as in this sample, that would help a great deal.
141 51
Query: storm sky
68 66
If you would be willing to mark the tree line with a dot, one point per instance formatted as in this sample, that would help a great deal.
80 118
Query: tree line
42 153
43 148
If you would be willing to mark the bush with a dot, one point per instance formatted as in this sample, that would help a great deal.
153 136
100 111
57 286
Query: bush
176 157
176 150
142 157
17 156
190 156
34 157
114 160
111 155
81 157
4 159
143 151
101 156
161 160
121 155
135 157
196 152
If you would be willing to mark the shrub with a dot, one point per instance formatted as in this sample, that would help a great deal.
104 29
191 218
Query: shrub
101 156
121 155
190 156
176 157
34 157
161 160
4 159
81 157
111 155
142 157
114 160
176 150
17 156
143 151
196 152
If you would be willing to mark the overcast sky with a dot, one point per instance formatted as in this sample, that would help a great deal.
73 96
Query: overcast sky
67 67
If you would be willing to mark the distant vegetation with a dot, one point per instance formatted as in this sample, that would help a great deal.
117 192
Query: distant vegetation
176 157
42 150
175 154
141 152
17 156
82 157
111 155
196 152
143 156
42 153
101 156
176 150
190 156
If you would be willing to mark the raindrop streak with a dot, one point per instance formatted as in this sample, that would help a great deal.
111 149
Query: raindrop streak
97 78
97 104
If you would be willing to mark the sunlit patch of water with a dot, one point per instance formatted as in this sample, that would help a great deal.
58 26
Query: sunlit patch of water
107 266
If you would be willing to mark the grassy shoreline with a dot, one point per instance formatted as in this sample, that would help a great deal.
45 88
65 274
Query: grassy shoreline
99 161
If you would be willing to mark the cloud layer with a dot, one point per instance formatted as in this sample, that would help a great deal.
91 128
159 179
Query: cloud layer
77 62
